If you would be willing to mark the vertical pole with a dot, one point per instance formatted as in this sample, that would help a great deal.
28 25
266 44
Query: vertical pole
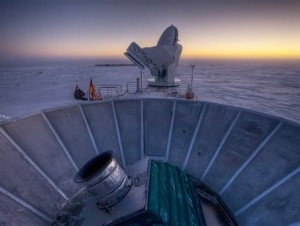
192 66
141 81
137 85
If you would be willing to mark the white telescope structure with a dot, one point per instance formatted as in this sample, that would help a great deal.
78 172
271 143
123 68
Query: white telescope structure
161 60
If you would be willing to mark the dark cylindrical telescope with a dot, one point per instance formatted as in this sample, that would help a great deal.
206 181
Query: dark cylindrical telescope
105 179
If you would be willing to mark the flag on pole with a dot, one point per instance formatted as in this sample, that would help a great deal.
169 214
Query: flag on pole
92 90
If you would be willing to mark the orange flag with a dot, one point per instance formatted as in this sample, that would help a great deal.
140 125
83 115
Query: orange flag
92 91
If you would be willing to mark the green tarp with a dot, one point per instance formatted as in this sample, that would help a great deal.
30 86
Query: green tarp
171 199
172 196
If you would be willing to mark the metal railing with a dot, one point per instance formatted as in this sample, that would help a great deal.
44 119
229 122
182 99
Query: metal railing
131 87
109 91
115 91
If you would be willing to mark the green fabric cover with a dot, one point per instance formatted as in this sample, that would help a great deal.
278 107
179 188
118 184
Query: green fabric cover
172 199
172 196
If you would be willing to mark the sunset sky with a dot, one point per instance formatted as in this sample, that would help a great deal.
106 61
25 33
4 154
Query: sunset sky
105 28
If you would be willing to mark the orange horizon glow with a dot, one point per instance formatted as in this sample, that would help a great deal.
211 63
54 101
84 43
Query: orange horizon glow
252 30
256 49
243 54
236 48
226 53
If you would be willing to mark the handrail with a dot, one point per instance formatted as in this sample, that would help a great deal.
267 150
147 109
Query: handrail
107 91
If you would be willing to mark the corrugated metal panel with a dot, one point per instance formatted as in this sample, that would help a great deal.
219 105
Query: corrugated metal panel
172 196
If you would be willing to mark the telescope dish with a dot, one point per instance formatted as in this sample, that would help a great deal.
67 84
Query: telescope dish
161 60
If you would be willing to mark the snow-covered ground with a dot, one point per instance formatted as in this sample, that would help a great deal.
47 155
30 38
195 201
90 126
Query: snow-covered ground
272 88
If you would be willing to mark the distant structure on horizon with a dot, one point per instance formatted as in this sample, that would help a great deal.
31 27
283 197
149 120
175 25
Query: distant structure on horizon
113 65
161 60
